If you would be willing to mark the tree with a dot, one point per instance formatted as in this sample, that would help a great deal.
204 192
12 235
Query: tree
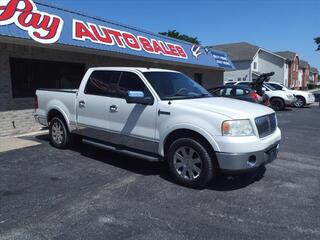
317 41
177 35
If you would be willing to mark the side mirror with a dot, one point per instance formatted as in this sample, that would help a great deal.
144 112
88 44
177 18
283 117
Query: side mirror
264 89
137 97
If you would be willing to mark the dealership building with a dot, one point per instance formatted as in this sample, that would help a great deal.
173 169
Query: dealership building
44 46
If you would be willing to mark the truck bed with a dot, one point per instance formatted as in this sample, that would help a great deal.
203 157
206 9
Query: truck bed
63 100
59 90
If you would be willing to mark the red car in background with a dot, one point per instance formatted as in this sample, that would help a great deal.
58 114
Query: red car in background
240 93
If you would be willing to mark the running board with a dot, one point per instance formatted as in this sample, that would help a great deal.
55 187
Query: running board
122 151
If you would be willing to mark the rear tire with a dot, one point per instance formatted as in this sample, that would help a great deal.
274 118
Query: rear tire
277 104
190 163
60 136
300 103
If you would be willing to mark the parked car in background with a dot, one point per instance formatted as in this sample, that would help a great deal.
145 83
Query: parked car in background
240 93
279 100
162 115
303 98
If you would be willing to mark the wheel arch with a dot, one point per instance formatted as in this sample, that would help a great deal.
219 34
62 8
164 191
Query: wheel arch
186 133
54 112
277 97
301 96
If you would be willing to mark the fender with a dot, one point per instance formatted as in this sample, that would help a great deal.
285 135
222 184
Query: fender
52 106
201 131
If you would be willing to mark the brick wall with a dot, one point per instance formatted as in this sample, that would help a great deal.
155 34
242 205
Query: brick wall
315 78
305 77
295 67
16 115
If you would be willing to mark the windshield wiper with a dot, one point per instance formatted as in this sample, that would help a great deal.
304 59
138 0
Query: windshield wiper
203 95
180 96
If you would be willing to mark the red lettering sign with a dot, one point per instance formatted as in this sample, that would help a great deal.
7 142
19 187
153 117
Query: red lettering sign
41 27
109 36
46 28
131 41
146 45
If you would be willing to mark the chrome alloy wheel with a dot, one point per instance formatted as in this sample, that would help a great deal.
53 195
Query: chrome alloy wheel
57 133
187 163
299 103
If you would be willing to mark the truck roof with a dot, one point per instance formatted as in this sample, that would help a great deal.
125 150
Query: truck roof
140 69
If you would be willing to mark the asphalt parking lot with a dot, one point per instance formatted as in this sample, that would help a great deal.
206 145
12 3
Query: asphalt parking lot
88 193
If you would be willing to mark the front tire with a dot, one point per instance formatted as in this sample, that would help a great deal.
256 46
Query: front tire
300 103
59 134
190 163
277 104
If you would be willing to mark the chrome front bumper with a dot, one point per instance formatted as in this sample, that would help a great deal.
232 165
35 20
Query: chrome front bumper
233 162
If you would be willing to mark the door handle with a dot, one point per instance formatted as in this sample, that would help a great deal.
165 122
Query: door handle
113 108
82 104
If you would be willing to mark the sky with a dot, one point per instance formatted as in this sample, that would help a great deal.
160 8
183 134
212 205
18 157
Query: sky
276 25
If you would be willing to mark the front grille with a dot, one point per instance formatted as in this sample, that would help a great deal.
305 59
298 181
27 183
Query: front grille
266 125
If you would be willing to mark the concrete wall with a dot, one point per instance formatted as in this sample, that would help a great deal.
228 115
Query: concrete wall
286 74
242 72
271 63
265 62
16 115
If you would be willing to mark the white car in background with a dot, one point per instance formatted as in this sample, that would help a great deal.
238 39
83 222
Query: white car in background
303 98
278 99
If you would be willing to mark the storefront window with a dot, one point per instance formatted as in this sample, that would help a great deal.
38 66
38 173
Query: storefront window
198 78
28 75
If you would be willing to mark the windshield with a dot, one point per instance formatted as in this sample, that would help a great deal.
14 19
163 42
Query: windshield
270 87
284 87
174 85
278 86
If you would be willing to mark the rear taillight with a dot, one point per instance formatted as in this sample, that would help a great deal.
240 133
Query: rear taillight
255 97
36 105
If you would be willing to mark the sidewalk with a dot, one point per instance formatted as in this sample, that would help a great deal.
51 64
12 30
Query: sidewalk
17 142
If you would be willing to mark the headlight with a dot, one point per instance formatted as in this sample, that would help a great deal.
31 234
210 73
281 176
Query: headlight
237 128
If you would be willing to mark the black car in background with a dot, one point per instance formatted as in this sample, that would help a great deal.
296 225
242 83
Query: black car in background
239 92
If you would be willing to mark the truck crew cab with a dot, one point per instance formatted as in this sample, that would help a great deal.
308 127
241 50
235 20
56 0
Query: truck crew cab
162 115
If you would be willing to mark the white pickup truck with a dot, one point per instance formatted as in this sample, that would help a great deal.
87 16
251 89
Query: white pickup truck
162 115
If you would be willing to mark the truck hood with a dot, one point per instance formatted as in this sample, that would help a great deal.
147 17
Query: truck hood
232 108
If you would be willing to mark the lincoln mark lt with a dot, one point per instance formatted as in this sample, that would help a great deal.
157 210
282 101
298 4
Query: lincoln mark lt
162 115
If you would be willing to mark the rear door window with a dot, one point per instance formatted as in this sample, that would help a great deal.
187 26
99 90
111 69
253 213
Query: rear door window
103 83
242 91
276 86
227 91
